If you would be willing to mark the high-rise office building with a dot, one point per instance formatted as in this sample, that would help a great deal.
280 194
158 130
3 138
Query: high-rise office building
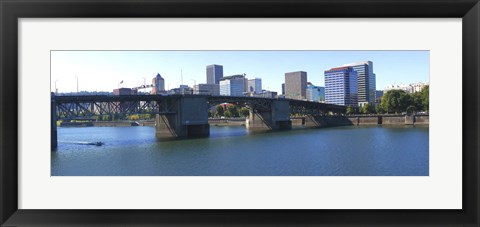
255 86
206 89
158 84
296 85
341 86
233 85
214 74
283 89
366 81
315 93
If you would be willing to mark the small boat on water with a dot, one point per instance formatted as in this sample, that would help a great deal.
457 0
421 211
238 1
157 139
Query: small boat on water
98 143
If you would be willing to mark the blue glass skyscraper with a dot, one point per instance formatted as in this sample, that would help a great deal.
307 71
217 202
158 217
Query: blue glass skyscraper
341 86
315 93
366 81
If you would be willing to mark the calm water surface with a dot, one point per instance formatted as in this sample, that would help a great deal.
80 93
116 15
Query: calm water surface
233 151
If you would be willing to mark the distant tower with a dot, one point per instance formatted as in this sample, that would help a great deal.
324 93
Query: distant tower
214 74
159 84
296 85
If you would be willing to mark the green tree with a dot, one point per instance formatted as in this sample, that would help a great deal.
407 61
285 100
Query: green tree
350 110
244 112
417 101
233 110
106 118
227 113
425 97
220 110
411 109
209 113
379 110
366 109
395 101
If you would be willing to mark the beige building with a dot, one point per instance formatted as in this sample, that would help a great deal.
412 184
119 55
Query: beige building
296 85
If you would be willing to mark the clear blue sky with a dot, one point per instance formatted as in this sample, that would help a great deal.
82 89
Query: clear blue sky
103 70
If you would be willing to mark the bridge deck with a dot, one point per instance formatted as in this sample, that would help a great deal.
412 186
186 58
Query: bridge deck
88 105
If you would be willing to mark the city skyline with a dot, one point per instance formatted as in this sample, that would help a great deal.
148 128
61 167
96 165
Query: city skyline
104 70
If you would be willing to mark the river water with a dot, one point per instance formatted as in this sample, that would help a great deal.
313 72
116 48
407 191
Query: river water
233 151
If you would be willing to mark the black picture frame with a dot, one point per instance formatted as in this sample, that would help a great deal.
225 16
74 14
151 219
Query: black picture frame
12 10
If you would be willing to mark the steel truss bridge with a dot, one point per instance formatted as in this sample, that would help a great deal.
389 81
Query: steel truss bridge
86 106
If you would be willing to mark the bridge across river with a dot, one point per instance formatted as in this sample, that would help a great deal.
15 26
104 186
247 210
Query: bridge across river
185 115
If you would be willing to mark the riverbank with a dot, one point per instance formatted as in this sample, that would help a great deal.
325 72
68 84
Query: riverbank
214 122
361 120
227 121
108 123
308 121
390 120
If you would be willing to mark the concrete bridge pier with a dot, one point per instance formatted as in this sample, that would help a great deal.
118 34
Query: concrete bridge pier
314 121
53 124
187 117
277 118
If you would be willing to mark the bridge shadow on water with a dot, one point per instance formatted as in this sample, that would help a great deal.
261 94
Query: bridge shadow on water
229 132
223 131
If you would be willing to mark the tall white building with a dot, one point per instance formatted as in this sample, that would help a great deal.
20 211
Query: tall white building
233 85
255 86
409 88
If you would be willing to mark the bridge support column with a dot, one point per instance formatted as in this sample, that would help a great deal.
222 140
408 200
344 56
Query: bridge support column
166 126
189 118
53 124
277 118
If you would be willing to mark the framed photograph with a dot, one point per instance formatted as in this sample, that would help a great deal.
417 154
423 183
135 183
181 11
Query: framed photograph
230 113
